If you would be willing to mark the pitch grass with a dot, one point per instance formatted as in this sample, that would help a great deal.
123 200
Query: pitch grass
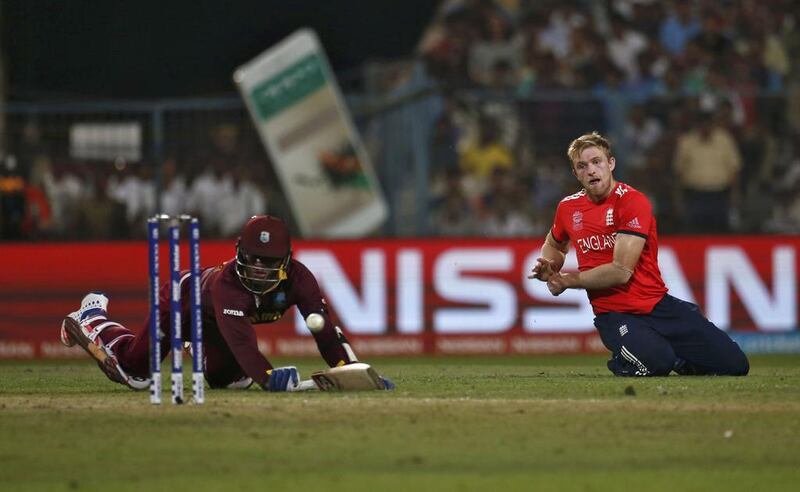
533 423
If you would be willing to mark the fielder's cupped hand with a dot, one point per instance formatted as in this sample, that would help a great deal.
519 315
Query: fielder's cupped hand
543 270
558 283
283 378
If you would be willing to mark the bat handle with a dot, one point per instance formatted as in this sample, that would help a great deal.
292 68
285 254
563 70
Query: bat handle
306 385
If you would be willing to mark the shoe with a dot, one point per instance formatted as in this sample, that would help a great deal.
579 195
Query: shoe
242 384
73 332
686 368
93 304
621 367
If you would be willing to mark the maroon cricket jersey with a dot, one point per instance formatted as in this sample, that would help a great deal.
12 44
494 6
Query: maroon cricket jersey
592 229
230 310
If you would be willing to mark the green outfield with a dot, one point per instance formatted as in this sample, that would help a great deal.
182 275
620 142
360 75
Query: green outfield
511 423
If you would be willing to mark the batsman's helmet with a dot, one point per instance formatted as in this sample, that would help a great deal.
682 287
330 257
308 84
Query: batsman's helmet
263 252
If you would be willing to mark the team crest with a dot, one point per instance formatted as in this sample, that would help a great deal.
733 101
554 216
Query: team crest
264 237
610 217
577 221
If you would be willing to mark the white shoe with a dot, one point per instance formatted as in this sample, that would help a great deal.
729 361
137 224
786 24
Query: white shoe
93 304
241 384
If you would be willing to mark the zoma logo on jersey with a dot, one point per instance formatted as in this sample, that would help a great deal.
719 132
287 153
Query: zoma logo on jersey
598 242
233 312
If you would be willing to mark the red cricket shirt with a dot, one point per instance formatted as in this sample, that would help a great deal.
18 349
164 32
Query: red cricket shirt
592 229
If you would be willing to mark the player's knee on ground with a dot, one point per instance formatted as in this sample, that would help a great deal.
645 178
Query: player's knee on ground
661 367
738 365
728 362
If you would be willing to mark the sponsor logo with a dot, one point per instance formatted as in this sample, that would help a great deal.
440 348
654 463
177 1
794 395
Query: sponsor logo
598 242
610 217
264 237
574 196
577 221
233 312
634 224
623 330
621 190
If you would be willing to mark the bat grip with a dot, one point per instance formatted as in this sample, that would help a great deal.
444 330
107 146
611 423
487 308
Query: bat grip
306 385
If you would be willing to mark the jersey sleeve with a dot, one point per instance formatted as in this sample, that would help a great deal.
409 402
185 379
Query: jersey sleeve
559 230
231 314
331 342
635 214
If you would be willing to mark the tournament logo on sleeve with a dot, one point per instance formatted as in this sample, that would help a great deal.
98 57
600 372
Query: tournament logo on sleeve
577 221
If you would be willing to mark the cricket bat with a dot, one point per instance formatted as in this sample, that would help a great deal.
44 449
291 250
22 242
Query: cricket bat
352 377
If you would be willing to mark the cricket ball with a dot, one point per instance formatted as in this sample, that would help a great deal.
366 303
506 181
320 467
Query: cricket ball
315 322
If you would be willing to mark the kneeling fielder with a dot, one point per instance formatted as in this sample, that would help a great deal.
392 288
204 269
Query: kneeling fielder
612 228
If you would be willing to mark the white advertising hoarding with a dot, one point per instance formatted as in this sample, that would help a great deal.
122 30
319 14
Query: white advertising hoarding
318 156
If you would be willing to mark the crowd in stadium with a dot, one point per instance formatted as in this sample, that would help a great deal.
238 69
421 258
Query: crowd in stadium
701 100
47 196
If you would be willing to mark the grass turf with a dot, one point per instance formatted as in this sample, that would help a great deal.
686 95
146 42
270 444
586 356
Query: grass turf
513 423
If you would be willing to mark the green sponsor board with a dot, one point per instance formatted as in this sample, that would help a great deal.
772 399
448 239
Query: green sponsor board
293 84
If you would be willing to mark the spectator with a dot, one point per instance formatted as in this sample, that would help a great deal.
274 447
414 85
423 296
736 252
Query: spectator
707 164
786 214
718 94
494 48
499 185
647 17
613 94
174 193
624 46
12 199
557 35
453 214
640 134
135 189
712 38
64 191
504 219
38 220
245 200
586 53
100 216
445 135
679 27
487 152
206 193
454 217
445 48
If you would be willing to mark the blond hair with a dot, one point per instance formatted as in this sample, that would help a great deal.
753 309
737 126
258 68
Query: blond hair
585 141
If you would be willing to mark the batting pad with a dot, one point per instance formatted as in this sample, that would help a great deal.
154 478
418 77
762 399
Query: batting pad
352 377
